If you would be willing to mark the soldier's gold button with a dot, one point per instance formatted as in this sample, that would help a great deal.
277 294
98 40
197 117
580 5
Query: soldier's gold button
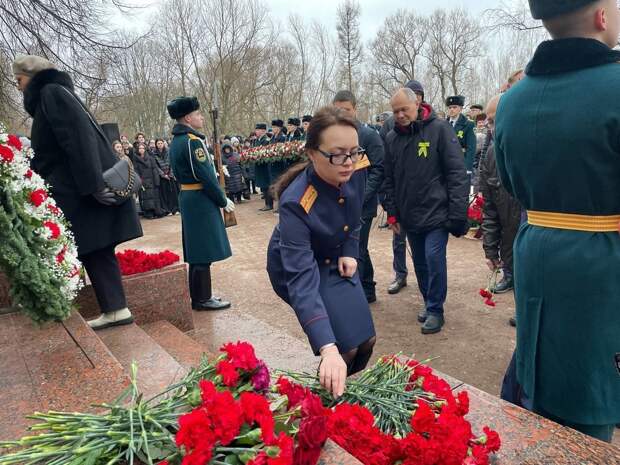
327 261
346 228
341 201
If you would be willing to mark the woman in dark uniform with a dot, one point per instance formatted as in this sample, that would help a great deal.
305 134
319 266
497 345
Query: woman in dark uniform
312 255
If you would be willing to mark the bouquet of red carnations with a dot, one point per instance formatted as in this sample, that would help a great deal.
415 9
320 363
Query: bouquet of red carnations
136 261
283 151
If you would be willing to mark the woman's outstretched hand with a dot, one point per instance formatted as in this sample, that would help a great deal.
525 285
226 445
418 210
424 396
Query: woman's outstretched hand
332 371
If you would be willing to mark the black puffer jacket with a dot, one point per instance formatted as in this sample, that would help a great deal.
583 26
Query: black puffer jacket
425 179
501 213
234 182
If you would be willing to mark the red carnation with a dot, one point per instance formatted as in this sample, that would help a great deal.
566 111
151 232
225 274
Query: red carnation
6 153
28 174
489 301
228 372
15 142
423 419
493 441
241 355
53 209
37 197
294 392
256 410
53 228
485 294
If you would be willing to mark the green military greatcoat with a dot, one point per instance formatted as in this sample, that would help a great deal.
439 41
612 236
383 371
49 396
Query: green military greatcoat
558 150
204 236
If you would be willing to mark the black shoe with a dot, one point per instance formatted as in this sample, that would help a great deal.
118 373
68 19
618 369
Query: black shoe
512 321
209 305
422 315
266 208
397 285
371 298
433 324
505 285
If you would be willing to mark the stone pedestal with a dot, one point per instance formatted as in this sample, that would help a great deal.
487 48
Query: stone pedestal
153 296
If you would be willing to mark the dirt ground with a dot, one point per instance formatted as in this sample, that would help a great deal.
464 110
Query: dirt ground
475 345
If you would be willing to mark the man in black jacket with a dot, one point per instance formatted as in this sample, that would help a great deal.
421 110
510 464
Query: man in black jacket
426 189
370 141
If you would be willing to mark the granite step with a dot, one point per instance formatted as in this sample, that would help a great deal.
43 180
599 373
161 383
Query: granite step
157 369
185 350
277 348
58 366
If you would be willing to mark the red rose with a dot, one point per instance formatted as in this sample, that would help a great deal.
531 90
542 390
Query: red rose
6 153
53 228
303 456
37 197
28 174
15 142
312 432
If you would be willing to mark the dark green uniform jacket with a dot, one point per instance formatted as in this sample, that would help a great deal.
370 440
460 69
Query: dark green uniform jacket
464 129
204 236
557 145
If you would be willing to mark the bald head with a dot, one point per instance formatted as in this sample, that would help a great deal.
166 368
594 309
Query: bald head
404 106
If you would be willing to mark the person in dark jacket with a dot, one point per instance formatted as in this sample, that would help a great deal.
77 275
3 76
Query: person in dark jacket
169 187
399 241
313 251
234 180
371 143
263 175
426 190
294 132
277 167
149 172
248 170
71 154
464 129
501 216
305 123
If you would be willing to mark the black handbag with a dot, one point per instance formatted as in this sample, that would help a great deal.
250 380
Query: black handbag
121 178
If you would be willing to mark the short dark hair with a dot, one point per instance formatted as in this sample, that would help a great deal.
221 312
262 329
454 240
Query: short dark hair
345 96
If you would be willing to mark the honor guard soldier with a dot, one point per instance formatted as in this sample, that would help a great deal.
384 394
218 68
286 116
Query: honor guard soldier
204 236
312 254
464 129
263 179
563 166
294 133
305 122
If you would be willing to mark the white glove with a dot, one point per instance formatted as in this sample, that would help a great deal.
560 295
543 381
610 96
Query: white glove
230 206
225 171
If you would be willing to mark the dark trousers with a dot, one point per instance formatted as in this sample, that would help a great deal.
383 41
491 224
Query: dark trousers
250 185
268 197
200 282
431 267
399 249
364 264
105 276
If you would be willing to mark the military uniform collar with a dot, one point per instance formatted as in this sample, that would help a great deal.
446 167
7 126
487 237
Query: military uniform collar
565 55
180 129
324 188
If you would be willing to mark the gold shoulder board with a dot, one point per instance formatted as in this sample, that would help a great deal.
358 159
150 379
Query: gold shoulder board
308 199
363 163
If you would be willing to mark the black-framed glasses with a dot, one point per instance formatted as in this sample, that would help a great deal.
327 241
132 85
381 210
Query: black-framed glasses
341 158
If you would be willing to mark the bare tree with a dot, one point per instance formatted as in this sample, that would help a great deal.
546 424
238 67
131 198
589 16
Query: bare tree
348 27
397 50
298 31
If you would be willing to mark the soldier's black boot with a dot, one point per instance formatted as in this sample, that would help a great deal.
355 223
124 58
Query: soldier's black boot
433 324
200 289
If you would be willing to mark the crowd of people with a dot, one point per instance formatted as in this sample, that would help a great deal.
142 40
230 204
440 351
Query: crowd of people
548 176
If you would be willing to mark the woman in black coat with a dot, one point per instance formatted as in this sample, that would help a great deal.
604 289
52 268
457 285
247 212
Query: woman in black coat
71 154
169 187
234 180
149 172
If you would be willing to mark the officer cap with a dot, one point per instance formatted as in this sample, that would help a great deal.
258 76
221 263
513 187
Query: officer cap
277 123
476 106
261 126
415 86
306 118
455 100
181 106
293 121
547 9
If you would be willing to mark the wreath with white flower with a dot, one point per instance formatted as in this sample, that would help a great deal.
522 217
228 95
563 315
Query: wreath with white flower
37 249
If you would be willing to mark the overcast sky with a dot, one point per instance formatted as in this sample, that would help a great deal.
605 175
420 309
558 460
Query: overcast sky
373 11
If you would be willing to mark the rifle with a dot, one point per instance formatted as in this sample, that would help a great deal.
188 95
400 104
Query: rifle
229 218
